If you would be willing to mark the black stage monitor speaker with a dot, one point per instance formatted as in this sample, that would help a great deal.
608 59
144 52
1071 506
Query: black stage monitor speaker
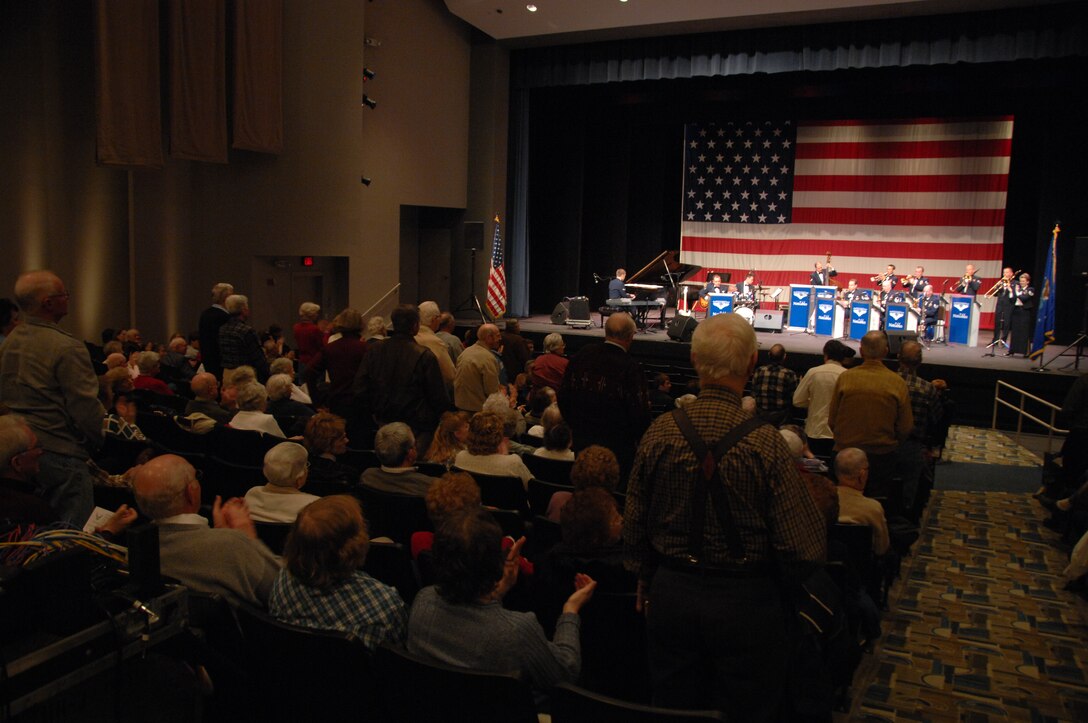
769 321
579 308
474 235
896 339
561 312
681 328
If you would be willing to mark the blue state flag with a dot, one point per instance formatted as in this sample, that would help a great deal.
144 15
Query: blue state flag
1044 318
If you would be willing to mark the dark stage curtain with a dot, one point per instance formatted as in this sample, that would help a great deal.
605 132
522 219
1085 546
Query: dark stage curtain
198 86
258 75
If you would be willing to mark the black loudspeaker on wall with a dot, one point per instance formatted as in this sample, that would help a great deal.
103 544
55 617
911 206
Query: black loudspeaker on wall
896 339
474 235
681 328
1080 256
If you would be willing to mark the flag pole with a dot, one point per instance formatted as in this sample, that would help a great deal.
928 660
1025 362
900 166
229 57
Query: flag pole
1046 313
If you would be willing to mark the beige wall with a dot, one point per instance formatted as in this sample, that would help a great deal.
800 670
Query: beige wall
194 224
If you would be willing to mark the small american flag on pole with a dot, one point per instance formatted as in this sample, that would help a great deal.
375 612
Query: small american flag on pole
496 279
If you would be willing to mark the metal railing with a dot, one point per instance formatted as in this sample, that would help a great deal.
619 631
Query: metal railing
1050 426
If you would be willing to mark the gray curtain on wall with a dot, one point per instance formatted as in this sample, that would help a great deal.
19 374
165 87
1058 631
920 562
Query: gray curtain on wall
517 227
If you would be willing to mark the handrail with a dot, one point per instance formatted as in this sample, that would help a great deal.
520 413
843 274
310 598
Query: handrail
1051 426
379 302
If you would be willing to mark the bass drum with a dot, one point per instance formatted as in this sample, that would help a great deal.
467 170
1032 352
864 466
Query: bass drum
747 314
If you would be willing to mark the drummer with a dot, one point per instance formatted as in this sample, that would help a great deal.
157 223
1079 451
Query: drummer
746 290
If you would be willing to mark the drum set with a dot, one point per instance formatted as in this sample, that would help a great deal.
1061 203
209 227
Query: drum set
743 306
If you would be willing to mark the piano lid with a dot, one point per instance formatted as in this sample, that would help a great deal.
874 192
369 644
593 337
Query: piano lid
655 271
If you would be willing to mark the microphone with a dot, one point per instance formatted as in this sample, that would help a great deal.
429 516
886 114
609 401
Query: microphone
596 278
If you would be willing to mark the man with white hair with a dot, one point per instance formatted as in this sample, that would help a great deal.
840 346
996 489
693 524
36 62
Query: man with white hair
290 415
603 395
478 370
286 468
238 341
395 446
549 367
210 320
428 325
174 363
711 583
308 335
148 364
226 559
46 376
852 472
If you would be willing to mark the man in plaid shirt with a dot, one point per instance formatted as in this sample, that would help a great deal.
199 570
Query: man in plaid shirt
917 464
773 386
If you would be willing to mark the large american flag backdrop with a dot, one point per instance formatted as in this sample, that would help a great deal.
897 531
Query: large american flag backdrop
776 197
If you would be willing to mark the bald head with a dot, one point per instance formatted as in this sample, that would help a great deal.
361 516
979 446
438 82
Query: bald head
36 293
205 386
166 486
910 354
852 468
620 328
874 345
489 335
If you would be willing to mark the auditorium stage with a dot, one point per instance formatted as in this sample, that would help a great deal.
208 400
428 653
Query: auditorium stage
971 375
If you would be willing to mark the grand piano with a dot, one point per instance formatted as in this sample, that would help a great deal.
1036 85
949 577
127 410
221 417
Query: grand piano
655 286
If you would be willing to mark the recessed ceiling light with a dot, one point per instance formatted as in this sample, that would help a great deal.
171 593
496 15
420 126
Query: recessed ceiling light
531 8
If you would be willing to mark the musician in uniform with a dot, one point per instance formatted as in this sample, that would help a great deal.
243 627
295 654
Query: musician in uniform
1023 308
714 285
746 290
851 292
888 295
616 288
1003 291
929 307
916 283
968 283
822 275
888 275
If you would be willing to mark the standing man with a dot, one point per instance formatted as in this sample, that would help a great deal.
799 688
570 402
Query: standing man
238 342
773 386
477 375
822 275
210 320
400 381
916 463
716 624
1023 313
429 314
446 325
814 393
917 283
1006 289
968 283
46 376
604 397
616 288
870 409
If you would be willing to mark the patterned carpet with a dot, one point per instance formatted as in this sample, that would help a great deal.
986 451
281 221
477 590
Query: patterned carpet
979 627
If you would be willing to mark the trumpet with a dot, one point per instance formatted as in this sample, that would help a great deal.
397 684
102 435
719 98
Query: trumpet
879 278
1002 284
909 280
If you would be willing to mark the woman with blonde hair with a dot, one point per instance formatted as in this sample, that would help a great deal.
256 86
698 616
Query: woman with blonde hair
449 438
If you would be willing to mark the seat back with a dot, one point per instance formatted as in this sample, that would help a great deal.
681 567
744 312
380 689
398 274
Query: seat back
227 479
417 689
307 675
240 446
571 704
511 522
540 494
391 563
273 534
506 493
556 471
431 469
118 455
360 459
391 514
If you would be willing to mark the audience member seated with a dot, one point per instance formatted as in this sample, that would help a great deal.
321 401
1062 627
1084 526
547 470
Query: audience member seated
395 447
323 586
226 559
148 364
375 329
451 493
539 399
284 365
487 450
252 402
289 414
461 621
592 528
286 469
661 393
326 437
120 420
513 423
549 367
595 466
206 388
228 395
449 438
852 471
176 365
557 441
820 488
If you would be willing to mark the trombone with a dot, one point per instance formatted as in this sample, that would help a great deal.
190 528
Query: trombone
1003 284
